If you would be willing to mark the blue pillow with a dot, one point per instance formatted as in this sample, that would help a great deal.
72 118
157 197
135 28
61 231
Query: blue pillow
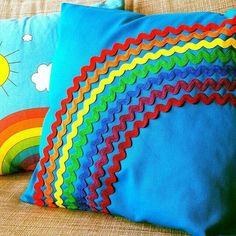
142 119
26 51
27 47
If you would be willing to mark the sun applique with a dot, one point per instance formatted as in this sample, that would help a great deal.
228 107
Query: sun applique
6 70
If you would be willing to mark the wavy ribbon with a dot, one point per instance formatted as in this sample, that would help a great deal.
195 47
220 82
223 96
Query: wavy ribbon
221 100
102 84
201 86
94 60
202 70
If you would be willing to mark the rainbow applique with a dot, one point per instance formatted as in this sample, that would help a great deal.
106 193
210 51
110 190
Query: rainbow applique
189 65
19 140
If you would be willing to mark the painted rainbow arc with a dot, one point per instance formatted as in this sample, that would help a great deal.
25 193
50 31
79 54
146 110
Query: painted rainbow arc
19 139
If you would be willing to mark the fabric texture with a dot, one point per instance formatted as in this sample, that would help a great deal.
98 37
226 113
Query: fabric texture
169 6
137 109
18 218
27 47
23 8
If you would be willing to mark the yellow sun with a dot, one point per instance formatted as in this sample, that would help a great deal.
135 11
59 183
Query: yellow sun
4 69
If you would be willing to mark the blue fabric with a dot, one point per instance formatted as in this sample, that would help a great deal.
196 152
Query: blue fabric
180 170
115 4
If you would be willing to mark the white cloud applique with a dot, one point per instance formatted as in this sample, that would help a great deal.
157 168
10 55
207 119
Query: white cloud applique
27 38
42 77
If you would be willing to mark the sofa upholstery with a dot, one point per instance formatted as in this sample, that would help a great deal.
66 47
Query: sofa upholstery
22 8
170 6
17 218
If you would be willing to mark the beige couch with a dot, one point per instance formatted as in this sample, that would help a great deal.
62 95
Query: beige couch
17 218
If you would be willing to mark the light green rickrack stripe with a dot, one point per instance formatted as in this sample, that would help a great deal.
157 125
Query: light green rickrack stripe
168 65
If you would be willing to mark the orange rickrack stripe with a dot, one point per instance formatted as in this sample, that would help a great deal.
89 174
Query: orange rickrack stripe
104 70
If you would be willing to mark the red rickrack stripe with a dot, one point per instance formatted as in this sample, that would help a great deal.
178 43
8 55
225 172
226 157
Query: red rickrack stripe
129 117
221 100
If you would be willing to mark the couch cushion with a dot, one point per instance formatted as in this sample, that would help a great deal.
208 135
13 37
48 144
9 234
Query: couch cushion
164 6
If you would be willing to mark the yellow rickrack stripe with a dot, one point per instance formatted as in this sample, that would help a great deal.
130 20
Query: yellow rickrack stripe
13 140
116 73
